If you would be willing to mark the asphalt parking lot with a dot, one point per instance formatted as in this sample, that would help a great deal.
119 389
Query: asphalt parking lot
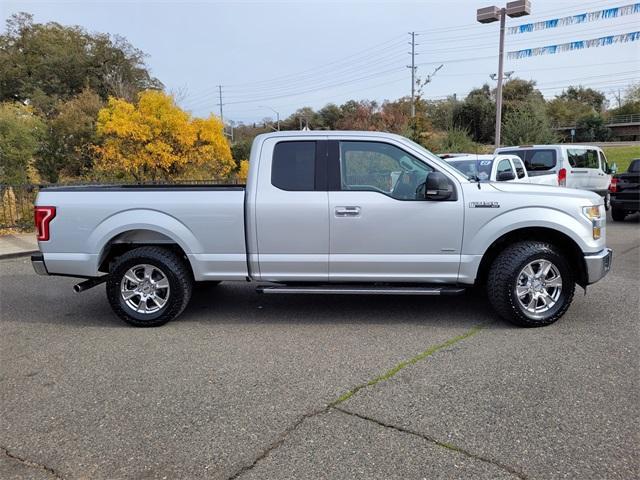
249 386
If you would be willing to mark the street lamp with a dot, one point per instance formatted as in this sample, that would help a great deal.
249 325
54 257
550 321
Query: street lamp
277 114
506 76
491 14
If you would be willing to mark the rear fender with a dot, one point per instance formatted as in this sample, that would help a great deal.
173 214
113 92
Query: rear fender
143 219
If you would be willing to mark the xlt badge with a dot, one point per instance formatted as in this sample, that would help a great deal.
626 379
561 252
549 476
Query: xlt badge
484 205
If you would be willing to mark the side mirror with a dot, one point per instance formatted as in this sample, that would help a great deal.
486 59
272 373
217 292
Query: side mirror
613 169
437 187
504 176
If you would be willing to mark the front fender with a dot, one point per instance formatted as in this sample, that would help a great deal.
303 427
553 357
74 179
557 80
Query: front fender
478 240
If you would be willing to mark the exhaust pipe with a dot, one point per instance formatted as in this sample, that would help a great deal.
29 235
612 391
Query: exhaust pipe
89 283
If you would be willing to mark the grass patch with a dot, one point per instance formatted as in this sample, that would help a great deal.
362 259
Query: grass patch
622 156
405 363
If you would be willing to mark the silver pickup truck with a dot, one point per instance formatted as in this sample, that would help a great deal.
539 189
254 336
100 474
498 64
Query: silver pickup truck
328 213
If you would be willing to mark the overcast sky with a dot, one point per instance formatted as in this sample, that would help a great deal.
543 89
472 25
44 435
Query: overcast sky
287 54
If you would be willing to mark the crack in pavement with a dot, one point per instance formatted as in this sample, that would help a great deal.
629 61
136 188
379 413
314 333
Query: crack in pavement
405 363
448 446
31 464
279 441
380 378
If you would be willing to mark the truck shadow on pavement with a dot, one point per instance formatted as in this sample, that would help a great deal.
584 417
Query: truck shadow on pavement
237 303
28 298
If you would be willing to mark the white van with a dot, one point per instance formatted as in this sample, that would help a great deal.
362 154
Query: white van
575 166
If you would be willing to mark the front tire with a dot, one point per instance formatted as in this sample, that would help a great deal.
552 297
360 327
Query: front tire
530 284
149 286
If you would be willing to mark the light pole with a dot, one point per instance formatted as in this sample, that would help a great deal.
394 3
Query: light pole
277 114
491 14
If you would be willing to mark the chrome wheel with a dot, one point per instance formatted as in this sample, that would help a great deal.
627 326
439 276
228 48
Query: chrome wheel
538 286
144 289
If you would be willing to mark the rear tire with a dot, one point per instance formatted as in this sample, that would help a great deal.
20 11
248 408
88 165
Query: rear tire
522 293
618 214
149 286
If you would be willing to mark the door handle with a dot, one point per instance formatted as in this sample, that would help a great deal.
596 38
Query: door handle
347 211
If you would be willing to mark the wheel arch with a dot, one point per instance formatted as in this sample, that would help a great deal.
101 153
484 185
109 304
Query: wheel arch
134 228
561 240
131 239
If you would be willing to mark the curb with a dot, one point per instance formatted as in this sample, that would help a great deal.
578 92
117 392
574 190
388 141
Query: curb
6 256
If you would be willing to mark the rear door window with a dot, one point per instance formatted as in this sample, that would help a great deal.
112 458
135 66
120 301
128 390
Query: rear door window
293 166
582 158
504 166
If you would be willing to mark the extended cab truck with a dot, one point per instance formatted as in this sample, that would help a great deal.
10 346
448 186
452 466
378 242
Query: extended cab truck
328 213
493 168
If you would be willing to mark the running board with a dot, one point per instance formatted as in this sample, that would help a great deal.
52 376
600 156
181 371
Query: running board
360 290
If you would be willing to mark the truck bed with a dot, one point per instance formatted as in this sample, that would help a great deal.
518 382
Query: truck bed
205 221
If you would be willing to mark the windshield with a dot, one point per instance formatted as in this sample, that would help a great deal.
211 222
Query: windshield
478 170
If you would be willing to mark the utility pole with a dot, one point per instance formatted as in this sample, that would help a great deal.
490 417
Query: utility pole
413 73
503 18
220 93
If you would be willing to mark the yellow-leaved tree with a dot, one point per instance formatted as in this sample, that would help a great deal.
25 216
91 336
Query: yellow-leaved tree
155 139
243 172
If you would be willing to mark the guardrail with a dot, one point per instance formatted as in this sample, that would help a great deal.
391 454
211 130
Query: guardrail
623 119
16 201
615 120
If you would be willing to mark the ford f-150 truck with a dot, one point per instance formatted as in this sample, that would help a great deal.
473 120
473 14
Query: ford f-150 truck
328 213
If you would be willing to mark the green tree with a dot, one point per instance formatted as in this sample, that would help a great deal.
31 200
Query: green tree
330 115
476 114
592 129
20 138
587 96
69 138
630 103
527 124
573 104
43 63
517 93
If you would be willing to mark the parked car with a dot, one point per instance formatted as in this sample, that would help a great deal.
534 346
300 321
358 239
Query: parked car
491 168
625 192
328 213
574 166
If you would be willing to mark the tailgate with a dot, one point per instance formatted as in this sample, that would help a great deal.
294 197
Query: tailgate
628 186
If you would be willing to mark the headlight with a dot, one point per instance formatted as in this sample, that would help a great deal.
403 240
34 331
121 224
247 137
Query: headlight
594 214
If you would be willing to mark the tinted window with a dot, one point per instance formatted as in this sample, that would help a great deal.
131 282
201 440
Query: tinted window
582 158
537 160
519 168
634 167
293 166
383 168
